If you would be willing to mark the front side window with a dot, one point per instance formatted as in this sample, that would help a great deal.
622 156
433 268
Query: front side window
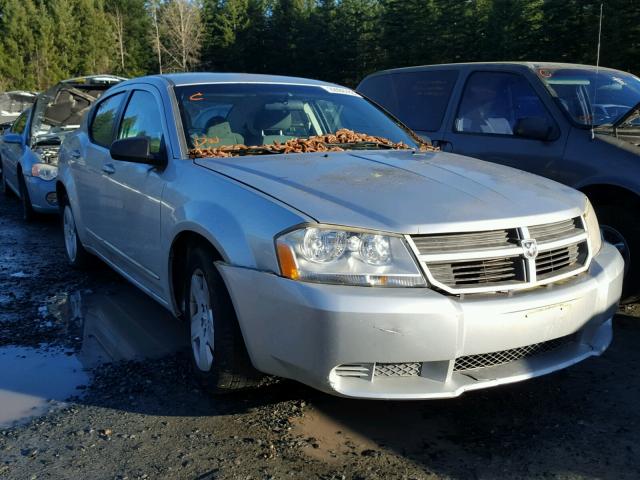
494 103
263 115
592 97
104 120
142 119
419 99
20 123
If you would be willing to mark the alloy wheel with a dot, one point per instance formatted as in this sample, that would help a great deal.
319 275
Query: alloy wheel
201 314
70 236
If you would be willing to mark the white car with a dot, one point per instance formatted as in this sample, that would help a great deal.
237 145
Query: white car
302 232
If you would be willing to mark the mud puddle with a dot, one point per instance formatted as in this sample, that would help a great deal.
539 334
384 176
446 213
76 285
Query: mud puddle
34 381
92 329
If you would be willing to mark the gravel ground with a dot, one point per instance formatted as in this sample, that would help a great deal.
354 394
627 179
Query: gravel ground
147 418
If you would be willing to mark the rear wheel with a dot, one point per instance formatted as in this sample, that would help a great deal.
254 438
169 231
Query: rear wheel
621 229
28 214
77 256
219 355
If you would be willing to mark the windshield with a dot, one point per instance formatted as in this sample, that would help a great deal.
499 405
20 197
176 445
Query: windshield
223 119
589 98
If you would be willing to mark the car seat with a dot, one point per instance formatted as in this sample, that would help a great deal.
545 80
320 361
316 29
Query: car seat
272 125
224 134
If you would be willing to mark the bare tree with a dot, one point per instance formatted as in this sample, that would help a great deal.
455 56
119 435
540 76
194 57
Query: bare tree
118 30
154 6
181 30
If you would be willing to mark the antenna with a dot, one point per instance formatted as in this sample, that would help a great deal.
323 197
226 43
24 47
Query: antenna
595 92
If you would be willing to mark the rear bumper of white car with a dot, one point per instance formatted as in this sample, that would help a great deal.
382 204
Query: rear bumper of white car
415 343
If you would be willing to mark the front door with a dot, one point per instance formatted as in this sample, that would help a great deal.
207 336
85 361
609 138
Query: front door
132 194
13 152
486 119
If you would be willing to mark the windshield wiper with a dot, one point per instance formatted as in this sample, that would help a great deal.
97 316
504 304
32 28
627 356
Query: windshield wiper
361 145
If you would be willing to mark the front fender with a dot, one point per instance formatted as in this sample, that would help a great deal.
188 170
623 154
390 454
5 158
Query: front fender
238 221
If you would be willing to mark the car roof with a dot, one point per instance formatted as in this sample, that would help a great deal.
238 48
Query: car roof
182 79
531 65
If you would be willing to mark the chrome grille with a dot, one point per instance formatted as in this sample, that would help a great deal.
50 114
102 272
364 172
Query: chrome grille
494 260
475 272
483 360
463 242
397 369
559 260
556 231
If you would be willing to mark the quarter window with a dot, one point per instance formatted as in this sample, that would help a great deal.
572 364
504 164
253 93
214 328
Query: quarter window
142 119
20 123
419 99
494 102
104 120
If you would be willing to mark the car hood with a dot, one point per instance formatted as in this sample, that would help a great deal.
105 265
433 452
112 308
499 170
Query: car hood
403 191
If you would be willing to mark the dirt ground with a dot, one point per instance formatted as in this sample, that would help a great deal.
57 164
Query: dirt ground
135 412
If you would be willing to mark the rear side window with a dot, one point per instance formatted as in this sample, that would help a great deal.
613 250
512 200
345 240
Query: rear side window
142 119
104 120
418 99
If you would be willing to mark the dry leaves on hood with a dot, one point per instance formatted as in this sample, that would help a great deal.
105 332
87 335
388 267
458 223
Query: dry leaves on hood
317 143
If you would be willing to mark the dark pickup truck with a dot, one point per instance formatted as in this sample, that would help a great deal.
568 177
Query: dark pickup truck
576 124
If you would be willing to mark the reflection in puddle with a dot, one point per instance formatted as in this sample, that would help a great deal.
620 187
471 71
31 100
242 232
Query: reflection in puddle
123 324
33 378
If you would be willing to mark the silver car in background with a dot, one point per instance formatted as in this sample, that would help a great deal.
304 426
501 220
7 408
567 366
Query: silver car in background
302 232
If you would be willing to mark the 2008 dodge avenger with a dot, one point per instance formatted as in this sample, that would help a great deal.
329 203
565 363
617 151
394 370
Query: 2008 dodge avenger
303 232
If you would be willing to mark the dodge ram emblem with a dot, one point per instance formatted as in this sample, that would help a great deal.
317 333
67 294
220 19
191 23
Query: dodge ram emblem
530 247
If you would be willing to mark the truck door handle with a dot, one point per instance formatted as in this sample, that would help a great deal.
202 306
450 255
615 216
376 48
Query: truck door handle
109 169
75 154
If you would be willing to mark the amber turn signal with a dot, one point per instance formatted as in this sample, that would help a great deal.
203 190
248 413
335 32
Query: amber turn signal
288 265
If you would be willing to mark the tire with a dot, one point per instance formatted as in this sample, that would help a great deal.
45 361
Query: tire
28 214
76 254
620 228
218 352
4 186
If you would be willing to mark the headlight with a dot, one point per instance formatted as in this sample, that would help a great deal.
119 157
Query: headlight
340 256
593 228
44 171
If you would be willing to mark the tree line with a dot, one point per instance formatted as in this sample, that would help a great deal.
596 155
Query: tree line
43 41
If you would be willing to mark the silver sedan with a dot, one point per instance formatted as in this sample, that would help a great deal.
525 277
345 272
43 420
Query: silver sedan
300 231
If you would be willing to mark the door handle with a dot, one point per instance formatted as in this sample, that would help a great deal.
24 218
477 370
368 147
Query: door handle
75 154
109 169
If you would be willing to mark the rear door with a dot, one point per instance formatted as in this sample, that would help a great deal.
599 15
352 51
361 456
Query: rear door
485 115
132 194
88 166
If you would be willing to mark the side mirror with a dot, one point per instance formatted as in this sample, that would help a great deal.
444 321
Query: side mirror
13 138
136 149
536 128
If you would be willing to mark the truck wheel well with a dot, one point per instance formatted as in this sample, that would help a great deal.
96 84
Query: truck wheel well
610 195
182 244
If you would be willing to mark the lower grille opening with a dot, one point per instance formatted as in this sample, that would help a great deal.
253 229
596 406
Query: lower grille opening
483 360
397 369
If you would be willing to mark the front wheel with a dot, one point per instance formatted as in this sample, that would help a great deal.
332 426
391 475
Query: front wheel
28 213
219 355
621 229
77 256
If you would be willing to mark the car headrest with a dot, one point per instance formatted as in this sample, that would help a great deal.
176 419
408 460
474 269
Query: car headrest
220 130
273 120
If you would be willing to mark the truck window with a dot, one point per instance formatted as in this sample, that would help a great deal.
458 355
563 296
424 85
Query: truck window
493 102
419 99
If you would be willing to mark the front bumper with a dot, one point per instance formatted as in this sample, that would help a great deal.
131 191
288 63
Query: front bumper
303 331
42 194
